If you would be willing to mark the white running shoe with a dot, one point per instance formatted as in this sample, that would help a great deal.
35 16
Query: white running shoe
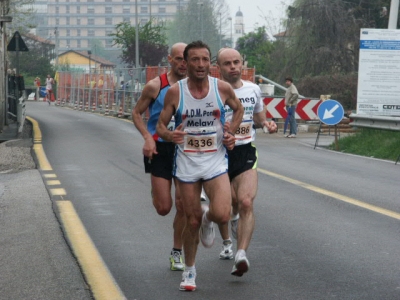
207 233
188 281
176 262
226 252
241 266
234 226
203 196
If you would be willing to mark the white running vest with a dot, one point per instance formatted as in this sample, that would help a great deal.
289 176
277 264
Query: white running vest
202 155
249 95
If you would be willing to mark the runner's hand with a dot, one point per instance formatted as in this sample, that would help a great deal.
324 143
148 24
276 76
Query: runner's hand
149 148
178 135
270 126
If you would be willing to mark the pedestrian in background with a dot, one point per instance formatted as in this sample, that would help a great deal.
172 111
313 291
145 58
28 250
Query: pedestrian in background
291 97
37 85
49 89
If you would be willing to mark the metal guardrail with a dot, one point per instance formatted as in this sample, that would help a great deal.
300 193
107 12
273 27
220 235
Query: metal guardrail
377 122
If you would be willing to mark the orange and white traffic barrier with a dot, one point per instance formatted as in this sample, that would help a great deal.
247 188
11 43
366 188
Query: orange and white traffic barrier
58 103
106 111
86 106
80 105
94 107
120 112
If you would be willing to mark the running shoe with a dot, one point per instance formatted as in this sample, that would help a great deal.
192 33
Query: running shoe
234 226
207 233
188 281
203 196
176 261
241 266
226 252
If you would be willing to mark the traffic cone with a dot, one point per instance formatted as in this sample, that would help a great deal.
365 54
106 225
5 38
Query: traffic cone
86 106
80 105
93 107
106 111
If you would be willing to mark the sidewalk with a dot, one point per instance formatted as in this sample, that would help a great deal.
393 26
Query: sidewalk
35 261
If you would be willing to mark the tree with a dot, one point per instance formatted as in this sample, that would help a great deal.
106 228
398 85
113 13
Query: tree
35 62
201 20
153 47
256 49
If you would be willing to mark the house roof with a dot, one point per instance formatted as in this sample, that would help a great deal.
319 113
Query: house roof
102 61
37 38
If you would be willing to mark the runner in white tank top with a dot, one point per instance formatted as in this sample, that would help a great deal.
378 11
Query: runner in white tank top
202 156
242 160
198 104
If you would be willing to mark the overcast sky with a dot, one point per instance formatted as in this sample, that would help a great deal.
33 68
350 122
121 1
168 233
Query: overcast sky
254 9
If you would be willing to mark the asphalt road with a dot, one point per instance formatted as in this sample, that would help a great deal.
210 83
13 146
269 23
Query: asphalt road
327 224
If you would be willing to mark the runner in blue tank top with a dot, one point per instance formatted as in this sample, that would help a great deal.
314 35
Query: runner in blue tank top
201 160
158 155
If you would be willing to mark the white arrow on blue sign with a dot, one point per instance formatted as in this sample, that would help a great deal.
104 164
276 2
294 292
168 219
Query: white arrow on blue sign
330 112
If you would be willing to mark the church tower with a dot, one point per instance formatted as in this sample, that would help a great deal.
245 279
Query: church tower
238 27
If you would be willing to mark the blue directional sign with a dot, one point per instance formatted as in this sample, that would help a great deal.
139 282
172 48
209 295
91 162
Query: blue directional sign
330 112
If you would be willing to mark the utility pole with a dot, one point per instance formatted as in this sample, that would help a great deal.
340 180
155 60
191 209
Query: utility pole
136 35
56 48
394 14
4 5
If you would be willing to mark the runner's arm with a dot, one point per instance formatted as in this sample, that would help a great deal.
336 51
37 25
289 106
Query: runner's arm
148 95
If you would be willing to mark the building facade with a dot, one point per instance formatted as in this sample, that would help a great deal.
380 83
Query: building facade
73 24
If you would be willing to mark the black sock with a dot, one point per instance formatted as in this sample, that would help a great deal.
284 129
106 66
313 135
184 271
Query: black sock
177 250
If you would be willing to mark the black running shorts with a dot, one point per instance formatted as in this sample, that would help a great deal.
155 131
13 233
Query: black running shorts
240 159
161 164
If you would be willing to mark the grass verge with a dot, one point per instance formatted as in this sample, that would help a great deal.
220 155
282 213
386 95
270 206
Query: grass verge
384 144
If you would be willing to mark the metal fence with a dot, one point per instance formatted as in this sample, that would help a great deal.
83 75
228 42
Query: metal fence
111 92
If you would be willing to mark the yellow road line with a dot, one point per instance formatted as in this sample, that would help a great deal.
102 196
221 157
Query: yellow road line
58 192
53 182
340 197
102 284
44 164
97 274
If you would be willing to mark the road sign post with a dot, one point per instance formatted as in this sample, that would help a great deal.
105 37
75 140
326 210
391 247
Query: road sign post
330 112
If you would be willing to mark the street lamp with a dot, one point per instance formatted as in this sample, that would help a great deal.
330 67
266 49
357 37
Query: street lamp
90 77
201 17
230 19
220 33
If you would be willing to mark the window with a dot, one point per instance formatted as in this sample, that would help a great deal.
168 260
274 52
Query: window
68 42
57 10
78 9
67 20
126 20
143 21
78 21
78 32
162 9
68 32
57 21
108 10
91 32
143 0
78 43
67 9
90 9
109 21
90 21
108 43
144 9
126 9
